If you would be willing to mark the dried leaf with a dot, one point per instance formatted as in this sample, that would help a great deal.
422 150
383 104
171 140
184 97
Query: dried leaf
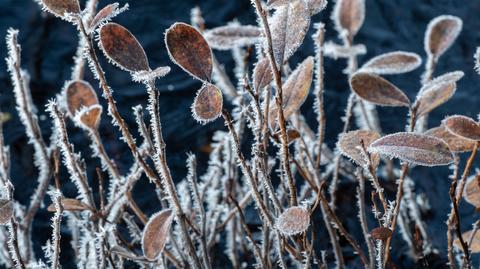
472 191
289 25
262 74
457 144
381 233
451 77
6 211
155 234
277 3
315 6
79 94
475 247
414 148
350 145
441 33
60 7
294 220
463 126
150 75
122 48
349 15
232 36
208 104
377 90
295 91
125 253
70 205
336 51
396 62
90 117
189 50
433 97
292 135
106 14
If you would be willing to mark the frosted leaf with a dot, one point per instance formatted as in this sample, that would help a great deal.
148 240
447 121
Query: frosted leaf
122 48
208 103
476 57
189 50
105 14
348 15
6 211
463 126
89 117
451 77
143 76
381 233
79 93
295 91
475 247
315 6
336 51
433 97
125 253
441 33
294 220
292 135
375 89
232 36
414 148
277 3
262 74
350 145
396 62
155 234
288 26
60 7
472 191
71 205
457 144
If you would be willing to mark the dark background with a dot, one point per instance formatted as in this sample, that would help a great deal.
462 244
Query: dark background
49 44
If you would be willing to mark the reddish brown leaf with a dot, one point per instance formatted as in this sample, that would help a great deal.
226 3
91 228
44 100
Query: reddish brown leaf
350 145
6 211
457 144
441 33
463 126
349 15
60 7
472 191
292 135
414 148
79 94
431 98
316 6
262 74
208 104
377 90
122 48
189 50
70 205
232 36
396 62
155 234
90 117
106 14
294 220
475 247
451 77
381 233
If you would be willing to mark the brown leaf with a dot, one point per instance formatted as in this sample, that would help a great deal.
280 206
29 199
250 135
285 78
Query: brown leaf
472 191
441 33
60 7
294 220
295 91
90 117
155 234
189 50
463 126
122 48
350 145
414 148
277 3
377 90
70 205
451 77
232 36
106 14
79 94
381 233
433 97
208 104
396 62
262 74
292 135
315 6
289 25
475 247
349 15
457 144
6 211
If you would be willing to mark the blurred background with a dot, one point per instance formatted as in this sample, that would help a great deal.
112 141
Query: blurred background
49 44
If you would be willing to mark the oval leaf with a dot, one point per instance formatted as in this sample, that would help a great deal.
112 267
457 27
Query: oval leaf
463 126
451 77
294 220
6 211
472 191
414 148
348 15
189 50
475 247
350 145
433 97
60 7
441 33
232 36
122 48
208 104
105 14
315 6
262 74
70 205
155 234
277 3
456 143
393 63
79 94
90 117
377 90
381 233
289 25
